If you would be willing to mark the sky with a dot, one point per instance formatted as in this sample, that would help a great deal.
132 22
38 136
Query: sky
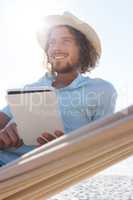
21 57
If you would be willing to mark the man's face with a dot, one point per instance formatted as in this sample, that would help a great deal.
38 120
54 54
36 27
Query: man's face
63 50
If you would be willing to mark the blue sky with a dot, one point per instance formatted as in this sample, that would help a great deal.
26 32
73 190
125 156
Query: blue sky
21 56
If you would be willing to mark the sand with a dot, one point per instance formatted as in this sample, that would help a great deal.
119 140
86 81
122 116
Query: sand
100 187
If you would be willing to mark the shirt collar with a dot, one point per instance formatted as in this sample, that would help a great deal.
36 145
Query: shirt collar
79 81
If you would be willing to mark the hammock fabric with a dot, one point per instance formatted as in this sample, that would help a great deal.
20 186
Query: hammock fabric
66 161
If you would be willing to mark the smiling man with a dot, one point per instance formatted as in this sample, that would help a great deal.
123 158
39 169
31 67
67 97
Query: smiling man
72 48
63 50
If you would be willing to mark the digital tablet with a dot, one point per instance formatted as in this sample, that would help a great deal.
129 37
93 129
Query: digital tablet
35 111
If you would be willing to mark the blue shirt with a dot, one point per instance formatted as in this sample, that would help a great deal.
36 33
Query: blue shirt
82 101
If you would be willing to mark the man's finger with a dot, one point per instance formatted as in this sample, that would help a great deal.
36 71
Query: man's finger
48 136
12 135
15 130
41 141
58 133
5 139
16 134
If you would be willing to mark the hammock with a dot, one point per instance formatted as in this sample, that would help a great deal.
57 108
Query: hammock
66 161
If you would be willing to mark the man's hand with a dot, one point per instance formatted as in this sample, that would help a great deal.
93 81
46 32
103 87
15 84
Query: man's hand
9 136
47 137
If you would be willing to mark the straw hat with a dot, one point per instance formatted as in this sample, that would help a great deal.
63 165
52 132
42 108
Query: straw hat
68 19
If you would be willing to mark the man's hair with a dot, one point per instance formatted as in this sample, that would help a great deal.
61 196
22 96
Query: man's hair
88 57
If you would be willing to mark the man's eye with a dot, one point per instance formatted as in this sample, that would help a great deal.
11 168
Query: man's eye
67 41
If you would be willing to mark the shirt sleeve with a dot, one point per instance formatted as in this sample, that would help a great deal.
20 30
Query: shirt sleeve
6 110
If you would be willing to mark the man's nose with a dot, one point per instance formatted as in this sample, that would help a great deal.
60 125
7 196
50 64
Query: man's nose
57 45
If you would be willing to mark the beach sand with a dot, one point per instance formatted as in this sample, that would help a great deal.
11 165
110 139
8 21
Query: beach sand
100 187
114 183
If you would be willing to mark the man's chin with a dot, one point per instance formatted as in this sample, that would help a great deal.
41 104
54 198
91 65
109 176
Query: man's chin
65 69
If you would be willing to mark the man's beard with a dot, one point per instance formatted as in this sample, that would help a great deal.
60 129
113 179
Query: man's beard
66 69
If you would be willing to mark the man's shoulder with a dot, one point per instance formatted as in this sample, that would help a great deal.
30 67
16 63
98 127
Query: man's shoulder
45 80
101 85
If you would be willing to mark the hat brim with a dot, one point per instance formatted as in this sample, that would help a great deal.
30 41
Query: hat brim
70 20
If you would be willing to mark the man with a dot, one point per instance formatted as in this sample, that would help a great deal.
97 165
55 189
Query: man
72 48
